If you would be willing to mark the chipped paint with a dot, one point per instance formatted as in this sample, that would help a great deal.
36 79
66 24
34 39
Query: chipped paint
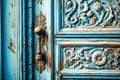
59 66
11 46
13 5
45 40
39 1
49 62
13 24
62 78
59 74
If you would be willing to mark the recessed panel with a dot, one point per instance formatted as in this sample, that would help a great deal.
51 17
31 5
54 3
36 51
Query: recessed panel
88 58
87 17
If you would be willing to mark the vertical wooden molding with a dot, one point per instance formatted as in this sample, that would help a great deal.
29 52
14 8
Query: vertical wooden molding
0 43
27 40
19 44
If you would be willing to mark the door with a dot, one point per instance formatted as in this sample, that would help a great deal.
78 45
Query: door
60 40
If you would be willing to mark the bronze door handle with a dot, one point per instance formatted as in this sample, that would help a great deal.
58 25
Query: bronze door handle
40 59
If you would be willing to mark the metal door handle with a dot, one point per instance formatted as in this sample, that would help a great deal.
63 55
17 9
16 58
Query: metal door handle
40 59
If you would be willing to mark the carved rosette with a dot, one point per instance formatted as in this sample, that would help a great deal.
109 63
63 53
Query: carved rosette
91 13
99 58
91 58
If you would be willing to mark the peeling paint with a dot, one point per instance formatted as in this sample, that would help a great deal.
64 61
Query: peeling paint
13 24
62 78
9 14
13 5
11 46
45 40
59 74
59 66
39 1
49 61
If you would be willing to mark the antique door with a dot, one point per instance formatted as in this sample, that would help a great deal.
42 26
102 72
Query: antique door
60 39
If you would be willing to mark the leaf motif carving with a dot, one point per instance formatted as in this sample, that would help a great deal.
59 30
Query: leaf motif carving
91 13
91 58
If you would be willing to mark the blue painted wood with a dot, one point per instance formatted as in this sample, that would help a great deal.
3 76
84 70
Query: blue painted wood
18 20
11 40
27 40
80 29
0 44
46 9
72 33
61 44
30 10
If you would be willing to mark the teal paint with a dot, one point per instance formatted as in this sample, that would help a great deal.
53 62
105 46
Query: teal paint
24 39
10 45
27 40
45 7
61 44
0 42
70 28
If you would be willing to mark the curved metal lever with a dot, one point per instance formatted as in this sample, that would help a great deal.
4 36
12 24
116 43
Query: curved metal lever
40 28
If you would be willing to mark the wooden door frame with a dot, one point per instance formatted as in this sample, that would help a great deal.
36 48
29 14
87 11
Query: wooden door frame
27 40
0 44
19 38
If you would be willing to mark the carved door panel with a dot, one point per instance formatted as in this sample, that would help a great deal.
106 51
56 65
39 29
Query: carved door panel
86 39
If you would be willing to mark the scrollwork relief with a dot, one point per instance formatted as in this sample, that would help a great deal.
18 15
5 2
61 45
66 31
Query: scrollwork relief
91 13
91 58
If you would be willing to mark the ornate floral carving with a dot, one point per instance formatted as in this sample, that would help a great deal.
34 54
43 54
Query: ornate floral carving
91 58
91 13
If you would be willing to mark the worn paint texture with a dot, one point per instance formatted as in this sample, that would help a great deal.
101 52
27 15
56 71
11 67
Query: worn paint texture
10 10
82 39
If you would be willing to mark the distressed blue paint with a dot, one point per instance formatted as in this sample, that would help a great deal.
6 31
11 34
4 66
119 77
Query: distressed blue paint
30 10
73 73
24 46
27 43
46 8
61 31
26 11
29 38
65 35
89 39
57 16
91 77
10 46
87 36
0 42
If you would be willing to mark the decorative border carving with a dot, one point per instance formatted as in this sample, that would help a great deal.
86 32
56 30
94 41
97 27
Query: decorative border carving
91 58
91 13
